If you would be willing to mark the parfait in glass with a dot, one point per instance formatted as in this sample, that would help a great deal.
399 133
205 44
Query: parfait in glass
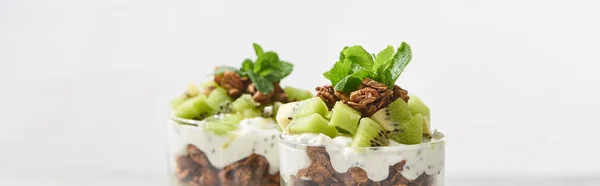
224 132
362 129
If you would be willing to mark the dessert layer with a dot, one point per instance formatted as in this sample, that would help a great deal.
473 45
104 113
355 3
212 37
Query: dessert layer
425 158
253 136
321 172
195 169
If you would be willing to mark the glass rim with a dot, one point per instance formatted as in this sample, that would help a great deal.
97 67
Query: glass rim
440 141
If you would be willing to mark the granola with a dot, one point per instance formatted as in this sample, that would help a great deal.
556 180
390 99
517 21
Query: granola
367 99
320 173
195 169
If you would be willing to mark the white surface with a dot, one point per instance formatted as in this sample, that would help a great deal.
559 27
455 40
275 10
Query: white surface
85 84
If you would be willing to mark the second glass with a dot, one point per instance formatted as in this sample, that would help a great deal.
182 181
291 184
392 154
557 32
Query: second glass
417 165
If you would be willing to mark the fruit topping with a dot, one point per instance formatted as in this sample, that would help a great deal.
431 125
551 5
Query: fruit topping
194 108
369 134
313 123
344 117
364 100
219 101
295 94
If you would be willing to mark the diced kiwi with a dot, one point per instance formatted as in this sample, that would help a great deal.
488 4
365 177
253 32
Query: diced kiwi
413 131
250 113
208 84
284 114
313 123
344 117
392 117
222 124
426 128
295 94
232 119
310 106
194 108
219 101
288 111
192 91
369 134
243 102
396 119
178 101
418 107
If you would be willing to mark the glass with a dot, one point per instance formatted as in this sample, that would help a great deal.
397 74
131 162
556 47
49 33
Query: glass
417 165
248 156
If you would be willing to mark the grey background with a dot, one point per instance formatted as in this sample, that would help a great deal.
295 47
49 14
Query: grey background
85 84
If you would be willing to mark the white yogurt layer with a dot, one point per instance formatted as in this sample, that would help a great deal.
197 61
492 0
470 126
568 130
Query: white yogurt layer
257 135
423 158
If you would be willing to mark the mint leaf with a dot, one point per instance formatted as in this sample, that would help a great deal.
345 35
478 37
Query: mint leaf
383 57
258 50
359 57
283 70
352 81
247 65
400 60
286 68
340 70
263 85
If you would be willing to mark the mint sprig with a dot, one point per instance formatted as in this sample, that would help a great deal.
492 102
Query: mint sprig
355 64
266 70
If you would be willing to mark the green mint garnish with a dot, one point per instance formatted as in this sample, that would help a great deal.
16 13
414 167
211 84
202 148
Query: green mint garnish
355 64
266 70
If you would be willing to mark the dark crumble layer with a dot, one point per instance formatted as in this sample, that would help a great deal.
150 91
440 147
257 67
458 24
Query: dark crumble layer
195 169
237 85
321 173
370 96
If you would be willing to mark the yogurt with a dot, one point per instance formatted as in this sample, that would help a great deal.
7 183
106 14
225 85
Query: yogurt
427 157
256 135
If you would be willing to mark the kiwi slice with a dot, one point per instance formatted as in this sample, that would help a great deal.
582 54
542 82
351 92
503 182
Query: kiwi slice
426 128
192 91
219 101
222 124
418 107
208 84
288 111
295 94
243 102
310 106
194 108
250 113
396 119
413 131
313 123
344 117
284 114
369 134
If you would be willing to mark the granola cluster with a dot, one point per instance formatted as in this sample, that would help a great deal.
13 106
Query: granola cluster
367 99
321 173
237 85
195 170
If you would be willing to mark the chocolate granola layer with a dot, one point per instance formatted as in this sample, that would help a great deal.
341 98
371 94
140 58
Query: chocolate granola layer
321 173
370 96
195 169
